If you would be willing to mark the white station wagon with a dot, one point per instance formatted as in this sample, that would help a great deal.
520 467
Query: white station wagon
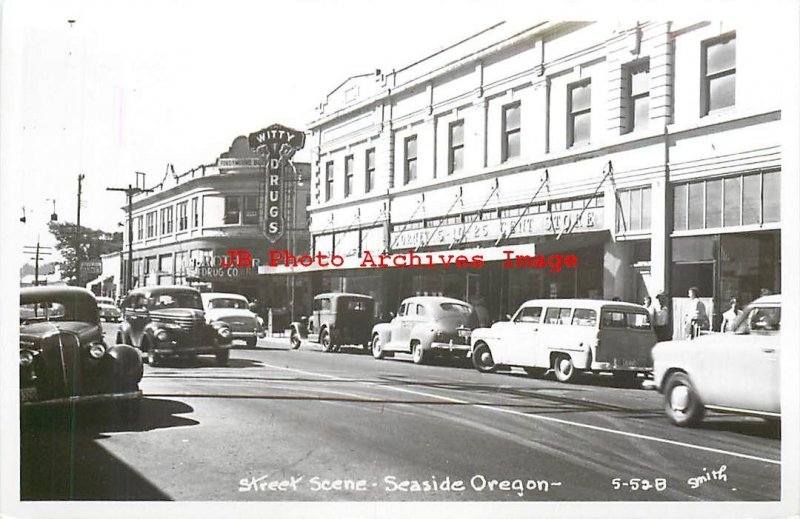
569 336
735 372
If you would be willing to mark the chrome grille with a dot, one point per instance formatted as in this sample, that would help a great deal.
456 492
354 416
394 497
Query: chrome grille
58 366
188 324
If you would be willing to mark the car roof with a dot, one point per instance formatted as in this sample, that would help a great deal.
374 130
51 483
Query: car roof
772 299
213 295
436 299
584 303
157 289
48 291
340 294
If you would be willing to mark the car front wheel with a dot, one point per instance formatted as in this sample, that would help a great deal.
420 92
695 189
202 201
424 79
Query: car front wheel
377 348
482 359
681 402
294 339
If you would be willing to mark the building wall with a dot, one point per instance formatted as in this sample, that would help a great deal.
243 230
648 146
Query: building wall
536 68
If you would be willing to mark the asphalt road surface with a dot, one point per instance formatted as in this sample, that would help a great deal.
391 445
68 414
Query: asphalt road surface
303 425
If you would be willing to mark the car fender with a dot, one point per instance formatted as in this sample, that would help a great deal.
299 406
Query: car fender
384 331
422 333
300 329
127 362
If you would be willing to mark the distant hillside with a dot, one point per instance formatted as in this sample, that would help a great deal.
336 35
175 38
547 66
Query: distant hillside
44 269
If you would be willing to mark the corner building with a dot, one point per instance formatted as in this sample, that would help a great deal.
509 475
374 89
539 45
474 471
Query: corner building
650 151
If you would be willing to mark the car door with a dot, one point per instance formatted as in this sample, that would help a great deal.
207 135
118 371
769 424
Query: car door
399 330
746 368
523 341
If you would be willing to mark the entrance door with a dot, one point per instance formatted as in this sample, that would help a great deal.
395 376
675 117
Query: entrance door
684 276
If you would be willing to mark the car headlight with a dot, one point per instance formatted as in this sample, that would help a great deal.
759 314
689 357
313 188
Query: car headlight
25 357
162 336
96 350
224 332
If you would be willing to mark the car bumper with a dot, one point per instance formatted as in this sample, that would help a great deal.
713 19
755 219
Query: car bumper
28 398
247 335
620 366
451 347
164 349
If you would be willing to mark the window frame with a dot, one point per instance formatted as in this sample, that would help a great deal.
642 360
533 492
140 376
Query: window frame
572 114
329 185
409 160
708 78
453 147
349 173
226 211
507 132
369 170
630 69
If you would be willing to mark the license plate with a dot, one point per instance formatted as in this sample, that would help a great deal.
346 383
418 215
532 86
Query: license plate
27 394
626 363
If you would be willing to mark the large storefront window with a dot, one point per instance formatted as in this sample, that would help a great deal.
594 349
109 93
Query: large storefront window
722 266
751 199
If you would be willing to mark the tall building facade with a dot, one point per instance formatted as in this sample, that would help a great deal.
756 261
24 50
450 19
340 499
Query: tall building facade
649 151
183 230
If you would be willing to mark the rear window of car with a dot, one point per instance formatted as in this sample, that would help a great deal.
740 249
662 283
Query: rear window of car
625 319
455 308
356 305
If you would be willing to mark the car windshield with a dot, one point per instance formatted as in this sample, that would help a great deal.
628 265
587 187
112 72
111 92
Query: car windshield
55 309
228 302
354 305
176 300
105 301
760 319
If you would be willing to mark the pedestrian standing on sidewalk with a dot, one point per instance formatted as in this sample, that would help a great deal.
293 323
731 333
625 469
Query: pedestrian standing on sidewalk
696 317
730 316
660 316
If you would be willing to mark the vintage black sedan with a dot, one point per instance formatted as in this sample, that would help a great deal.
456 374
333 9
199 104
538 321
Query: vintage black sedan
62 356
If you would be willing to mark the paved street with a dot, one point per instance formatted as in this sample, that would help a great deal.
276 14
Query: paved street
279 424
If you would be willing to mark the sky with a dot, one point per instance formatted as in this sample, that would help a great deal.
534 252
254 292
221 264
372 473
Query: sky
134 86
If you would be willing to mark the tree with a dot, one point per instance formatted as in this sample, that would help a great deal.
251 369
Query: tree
94 243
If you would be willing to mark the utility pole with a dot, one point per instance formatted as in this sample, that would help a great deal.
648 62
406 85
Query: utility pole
38 253
81 176
129 192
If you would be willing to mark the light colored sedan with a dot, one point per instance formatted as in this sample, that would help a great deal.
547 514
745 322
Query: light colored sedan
735 372
234 310
108 310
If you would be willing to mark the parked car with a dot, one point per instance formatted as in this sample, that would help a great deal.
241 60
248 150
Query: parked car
337 319
234 310
108 310
735 372
62 356
426 326
569 336
167 321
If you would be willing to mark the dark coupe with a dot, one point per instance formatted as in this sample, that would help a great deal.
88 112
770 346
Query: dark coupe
62 355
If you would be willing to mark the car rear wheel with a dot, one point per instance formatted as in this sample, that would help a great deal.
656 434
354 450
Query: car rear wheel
564 369
482 359
418 353
294 339
251 342
681 402
222 357
535 372
325 341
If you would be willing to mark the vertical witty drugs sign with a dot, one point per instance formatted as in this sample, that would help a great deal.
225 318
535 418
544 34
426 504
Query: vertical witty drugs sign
277 144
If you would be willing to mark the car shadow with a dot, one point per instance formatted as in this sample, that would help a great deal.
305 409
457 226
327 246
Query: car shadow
748 426
207 362
61 458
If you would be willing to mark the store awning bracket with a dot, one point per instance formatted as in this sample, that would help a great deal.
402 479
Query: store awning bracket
545 182
477 215
410 218
443 218
608 173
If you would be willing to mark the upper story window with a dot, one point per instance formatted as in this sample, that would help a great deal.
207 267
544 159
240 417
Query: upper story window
183 219
579 117
633 210
456 151
328 180
719 73
512 125
637 85
195 213
150 219
139 228
410 170
250 216
166 220
349 165
232 209
369 177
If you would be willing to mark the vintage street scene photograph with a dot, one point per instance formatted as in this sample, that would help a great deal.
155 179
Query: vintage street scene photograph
320 252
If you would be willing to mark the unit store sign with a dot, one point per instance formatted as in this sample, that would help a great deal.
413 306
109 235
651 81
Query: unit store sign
529 225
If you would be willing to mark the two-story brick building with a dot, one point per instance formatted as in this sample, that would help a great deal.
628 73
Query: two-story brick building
650 151
184 228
